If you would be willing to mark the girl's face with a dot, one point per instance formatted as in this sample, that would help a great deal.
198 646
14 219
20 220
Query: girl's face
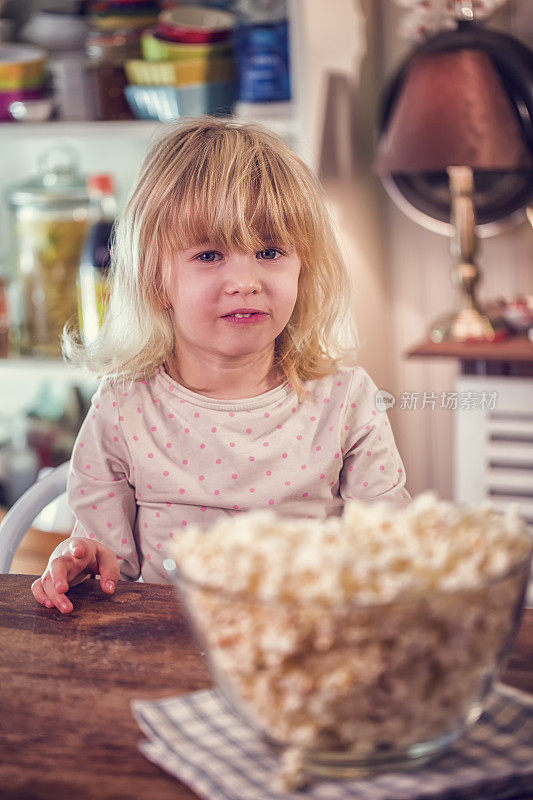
227 303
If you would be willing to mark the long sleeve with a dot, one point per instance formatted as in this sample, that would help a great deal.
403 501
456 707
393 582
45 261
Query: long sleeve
372 468
100 487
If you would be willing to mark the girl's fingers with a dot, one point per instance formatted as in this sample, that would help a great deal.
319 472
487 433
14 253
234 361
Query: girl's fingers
65 567
108 569
61 569
77 548
55 585
67 563
40 595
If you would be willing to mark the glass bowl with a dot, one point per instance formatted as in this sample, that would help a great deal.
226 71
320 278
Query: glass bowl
359 689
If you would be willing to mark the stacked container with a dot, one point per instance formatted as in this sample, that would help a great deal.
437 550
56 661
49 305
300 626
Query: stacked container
115 37
188 65
22 76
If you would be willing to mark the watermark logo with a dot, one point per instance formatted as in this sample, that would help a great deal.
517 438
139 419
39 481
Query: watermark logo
449 401
384 400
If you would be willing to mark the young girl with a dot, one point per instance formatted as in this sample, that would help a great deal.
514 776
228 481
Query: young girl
226 384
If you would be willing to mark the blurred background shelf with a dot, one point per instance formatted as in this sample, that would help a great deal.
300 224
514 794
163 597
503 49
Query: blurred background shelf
15 370
43 402
515 348
133 128
283 123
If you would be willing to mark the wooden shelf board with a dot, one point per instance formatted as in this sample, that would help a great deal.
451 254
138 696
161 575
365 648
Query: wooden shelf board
515 348
285 124
141 128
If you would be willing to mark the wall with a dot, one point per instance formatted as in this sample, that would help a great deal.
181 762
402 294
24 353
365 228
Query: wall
401 271
346 102
418 268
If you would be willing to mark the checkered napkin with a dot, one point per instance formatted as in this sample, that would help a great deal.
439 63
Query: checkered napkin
199 739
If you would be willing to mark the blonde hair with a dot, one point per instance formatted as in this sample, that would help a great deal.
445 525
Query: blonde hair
239 186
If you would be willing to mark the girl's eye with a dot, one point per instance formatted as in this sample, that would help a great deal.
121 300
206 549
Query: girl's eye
270 253
208 256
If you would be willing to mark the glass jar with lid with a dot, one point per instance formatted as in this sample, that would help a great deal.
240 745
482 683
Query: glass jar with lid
50 214
107 52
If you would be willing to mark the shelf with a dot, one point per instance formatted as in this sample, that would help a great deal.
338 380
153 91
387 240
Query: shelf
140 128
515 348
278 119
41 368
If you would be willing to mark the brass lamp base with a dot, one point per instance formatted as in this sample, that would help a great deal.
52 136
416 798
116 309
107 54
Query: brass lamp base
469 325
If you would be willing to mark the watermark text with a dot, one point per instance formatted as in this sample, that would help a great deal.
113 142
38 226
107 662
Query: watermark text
449 401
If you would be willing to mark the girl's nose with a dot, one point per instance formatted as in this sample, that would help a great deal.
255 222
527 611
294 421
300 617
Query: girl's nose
242 275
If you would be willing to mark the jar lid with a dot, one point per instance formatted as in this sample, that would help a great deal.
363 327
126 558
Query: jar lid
114 46
58 180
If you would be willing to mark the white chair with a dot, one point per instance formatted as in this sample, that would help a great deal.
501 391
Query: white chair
20 516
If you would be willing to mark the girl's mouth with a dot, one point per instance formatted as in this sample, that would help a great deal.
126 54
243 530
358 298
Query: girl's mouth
245 317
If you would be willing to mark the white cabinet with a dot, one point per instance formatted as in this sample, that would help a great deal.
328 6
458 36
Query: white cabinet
493 454
494 442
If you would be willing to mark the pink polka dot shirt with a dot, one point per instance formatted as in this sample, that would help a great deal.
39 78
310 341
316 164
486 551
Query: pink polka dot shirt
153 457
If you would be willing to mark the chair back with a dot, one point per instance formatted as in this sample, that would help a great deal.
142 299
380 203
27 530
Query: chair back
20 516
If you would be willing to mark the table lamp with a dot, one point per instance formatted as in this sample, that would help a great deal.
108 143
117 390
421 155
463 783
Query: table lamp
453 115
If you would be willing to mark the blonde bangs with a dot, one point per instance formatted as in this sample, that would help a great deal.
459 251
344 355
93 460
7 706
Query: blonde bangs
248 201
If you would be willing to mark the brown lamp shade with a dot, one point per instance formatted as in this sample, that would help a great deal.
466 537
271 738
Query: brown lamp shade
453 110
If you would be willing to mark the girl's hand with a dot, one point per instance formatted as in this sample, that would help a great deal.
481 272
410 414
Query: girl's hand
69 563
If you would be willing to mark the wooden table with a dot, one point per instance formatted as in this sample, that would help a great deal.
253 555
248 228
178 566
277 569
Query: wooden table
66 682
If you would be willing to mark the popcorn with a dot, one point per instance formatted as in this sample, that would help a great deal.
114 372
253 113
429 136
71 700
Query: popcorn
371 554
365 633
291 774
